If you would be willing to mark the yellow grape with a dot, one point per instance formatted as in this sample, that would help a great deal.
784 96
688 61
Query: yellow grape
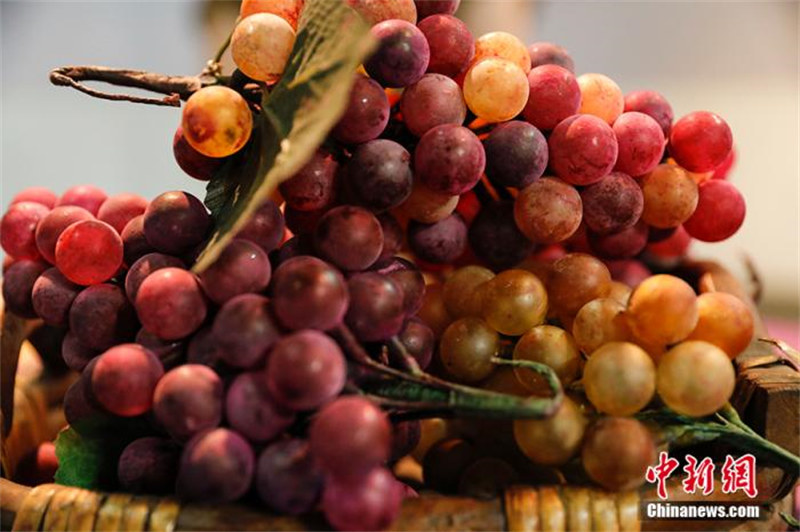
599 322
504 380
260 46
601 97
217 121
697 177
725 321
375 11
433 312
466 349
496 89
617 452
552 346
620 292
670 196
553 440
426 206
662 310
619 378
463 291
575 279
695 378
289 10
514 301
505 46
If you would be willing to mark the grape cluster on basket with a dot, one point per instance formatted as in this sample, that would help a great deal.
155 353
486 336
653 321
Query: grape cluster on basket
477 200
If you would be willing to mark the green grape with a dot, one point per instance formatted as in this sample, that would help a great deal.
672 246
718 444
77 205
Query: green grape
599 322
662 310
217 121
463 291
553 440
576 279
620 378
514 301
260 46
466 349
617 452
552 346
495 89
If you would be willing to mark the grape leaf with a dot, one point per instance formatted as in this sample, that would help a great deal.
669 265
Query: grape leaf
294 119
85 461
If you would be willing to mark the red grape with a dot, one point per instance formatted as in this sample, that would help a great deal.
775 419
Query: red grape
349 237
175 222
641 143
143 267
118 210
652 104
87 196
149 466
191 161
366 115
202 348
583 149
432 101
393 236
18 229
426 8
548 211
265 228
449 159
379 174
612 204
101 316
134 243
623 244
251 411
302 222
371 503
245 330
309 294
188 400
76 355
516 154
629 272
418 340
547 53
676 245
376 307
169 352
554 95
241 268
314 186
89 252
452 46
495 237
719 214
288 479
53 224
40 195
700 141
123 379
439 243
170 303
402 55
52 297
18 283
724 168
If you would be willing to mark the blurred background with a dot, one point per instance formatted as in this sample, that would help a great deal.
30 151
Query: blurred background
738 59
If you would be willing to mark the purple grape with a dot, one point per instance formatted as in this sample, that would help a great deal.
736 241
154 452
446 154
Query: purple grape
405 437
52 297
612 204
547 53
18 283
170 303
349 237
440 243
191 161
314 186
308 293
265 228
426 8
288 479
410 281
419 341
451 43
432 101
371 503
101 316
241 268
516 154
449 159
296 246
215 467
169 352
302 222
76 355
188 400
305 370
123 379
376 307
175 222
149 465
143 267
202 348
496 239
402 55
379 174
252 412
624 244
245 330
134 242
393 235
366 115
79 406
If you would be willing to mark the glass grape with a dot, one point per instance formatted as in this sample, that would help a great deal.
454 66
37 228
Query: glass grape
617 452
548 345
149 466
652 104
170 303
547 53
379 174
602 320
583 149
553 440
441 242
548 211
123 379
376 307
495 237
449 159
402 55
366 115
314 186
719 214
576 279
496 89
516 154
601 97
101 316
245 331
466 349
452 46
641 143
308 293
612 204
18 284
432 101
700 141
118 210
175 222
514 301
260 46
88 197
143 267
463 291
217 121
18 229
505 46
619 378
241 268
662 310
252 412
426 206
288 479
553 96
670 196
723 320
52 295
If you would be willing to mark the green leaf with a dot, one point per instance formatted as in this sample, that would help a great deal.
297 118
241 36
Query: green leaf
295 118
84 461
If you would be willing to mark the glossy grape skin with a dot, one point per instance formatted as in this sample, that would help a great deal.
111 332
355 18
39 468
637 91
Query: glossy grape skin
670 196
366 115
176 222
516 154
700 141
452 46
18 283
170 303
88 197
725 321
695 378
118 210
601 97
313 187
547 53
252 412
553 440
241 268
496 89
662 310
287 478
612 204
652 104
309 293
548 345
449 159
53 224
432 101
101 316
427 206
76 355
349 437
418 340
628 442
402 55
143 267
289 10
379 174
553 96
191 161
260 46
123 379
265 228
496 239
466 349
40 195
514 301
619 378
439 243
376 11
245 331
376 307
409 280
624 244
576 279
188 400
149 466
89 252
719 214
134 242
217 121
371 504
51 297
305 370
583 149
503 45
433 311
463 291
601 321
548 211
641 143
216 466
18 229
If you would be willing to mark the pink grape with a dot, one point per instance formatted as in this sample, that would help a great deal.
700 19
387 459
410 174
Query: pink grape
372 503
349 237
432 101
652 104
124 378
554 95
87 196
170 303
76 355
641 143
241 268
700 141
449 159
252 411
188 400
89 252
175 222
40 195
623 244
265 228
288 479
547 53
118 210
101 316
244 330
18 283
516 154
441 242
149 466
612 204
143 267
583 149
376 307
308 293
52 297
191 161
18 229
134 242
402 55
719 214
426 8
314 186
53 224
452 46
366 115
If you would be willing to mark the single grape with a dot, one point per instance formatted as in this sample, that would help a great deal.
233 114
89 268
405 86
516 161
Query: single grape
245 331
289 10
427 206
548 345
619 378
439 243
18 284
188 400
719 214
449 159
426 8
700 141
202 348
432 101
548 211
288 479
51 296
252 412
373 503
87 196
418 340
149 466
433 311
379 174
620 292
724 168
601 97
217 121
547 53
624 244
53 224
241 268
516 154
191 161
215 467
553 440
308 293
695 378
629 272
612 204
18 229
170 303
452 46
376 307
402 55
496 239
134 242
393 237
314 186
503 45
265 228
89 252
123 379
366 115
143 267
723 320
175 222
377 11
601 321
260 46
101 316
652 104
553 96
409 280
76 355
630 446
670 196
496 89
576 279
169 352
40 195
662 310
349 437
466 349
583 149
463 291
349 237
118 210
514 301
641 143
